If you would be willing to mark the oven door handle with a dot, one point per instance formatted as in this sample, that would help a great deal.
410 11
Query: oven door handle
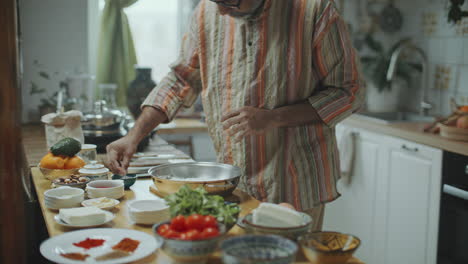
456 192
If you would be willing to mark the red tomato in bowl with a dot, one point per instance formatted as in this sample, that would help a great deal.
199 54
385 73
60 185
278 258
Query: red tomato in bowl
194 221
162 229
209 232
209 221
178 223
170 233
193 234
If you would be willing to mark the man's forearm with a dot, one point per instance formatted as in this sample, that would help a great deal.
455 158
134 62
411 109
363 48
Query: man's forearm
150 118
294 115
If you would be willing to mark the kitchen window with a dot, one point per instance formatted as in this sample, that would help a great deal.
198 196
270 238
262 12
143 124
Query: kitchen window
157 27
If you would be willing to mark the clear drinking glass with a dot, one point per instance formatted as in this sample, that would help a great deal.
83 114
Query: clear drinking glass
88 152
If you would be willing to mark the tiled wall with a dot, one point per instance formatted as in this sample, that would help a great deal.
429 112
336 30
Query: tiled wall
446 44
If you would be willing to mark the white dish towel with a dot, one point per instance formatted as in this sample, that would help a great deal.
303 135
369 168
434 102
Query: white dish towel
347 149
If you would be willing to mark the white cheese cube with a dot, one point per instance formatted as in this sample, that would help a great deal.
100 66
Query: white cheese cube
273 215
83 216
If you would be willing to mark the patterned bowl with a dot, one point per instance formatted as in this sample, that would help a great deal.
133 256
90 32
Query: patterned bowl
258 249
288 232
189 251
329 247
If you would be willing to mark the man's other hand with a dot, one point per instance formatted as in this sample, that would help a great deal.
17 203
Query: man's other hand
247 121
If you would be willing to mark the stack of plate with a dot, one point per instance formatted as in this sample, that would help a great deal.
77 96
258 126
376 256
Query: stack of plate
148 212
63 197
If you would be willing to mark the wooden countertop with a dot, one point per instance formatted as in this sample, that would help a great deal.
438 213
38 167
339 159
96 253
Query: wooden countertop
139 191
35 148
409 131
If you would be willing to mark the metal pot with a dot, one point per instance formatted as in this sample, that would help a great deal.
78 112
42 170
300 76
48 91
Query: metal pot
216 178
103 121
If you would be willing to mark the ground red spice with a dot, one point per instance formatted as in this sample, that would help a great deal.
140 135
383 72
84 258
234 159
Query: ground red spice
127 245
90 243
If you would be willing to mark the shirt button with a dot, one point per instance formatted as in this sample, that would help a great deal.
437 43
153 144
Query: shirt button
250 43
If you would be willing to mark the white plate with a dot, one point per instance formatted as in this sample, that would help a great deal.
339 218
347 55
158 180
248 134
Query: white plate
109 217
53 247
89 202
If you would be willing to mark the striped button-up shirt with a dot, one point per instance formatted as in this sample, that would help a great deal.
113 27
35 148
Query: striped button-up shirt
289 51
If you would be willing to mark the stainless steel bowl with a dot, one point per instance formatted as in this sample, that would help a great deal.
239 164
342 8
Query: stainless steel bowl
216 178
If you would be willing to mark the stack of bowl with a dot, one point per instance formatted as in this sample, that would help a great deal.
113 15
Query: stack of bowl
148 212
106 188
63 197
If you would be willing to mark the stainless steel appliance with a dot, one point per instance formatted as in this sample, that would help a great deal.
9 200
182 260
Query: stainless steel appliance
453 224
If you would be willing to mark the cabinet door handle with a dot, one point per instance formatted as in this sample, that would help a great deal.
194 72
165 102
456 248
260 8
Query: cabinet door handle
409 149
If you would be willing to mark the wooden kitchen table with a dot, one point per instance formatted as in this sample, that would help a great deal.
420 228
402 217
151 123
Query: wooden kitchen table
140 190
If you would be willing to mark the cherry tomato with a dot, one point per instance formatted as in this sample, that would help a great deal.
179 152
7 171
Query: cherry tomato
194 221
183 236
209 232
178 223
209 221
162 229
193 234
170 233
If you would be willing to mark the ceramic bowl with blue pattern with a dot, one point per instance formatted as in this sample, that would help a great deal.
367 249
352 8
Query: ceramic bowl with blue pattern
189 251
258 249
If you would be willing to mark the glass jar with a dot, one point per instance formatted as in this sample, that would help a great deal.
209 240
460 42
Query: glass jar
88 153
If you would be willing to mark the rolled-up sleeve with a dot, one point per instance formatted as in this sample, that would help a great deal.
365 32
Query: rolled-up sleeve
181 86
341 88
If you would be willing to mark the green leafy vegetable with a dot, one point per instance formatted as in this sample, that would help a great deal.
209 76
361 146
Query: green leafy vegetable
189 201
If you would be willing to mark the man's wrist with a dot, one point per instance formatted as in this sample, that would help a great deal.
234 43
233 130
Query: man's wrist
275 117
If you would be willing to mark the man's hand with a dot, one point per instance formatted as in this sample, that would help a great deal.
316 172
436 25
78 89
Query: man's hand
247 121
119 154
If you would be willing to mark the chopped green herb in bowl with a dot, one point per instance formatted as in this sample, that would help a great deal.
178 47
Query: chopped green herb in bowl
189 201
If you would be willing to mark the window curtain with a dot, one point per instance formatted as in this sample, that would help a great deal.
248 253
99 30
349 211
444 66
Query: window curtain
116 52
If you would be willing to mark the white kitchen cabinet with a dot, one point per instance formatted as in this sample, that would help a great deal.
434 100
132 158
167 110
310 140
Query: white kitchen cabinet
392 202
353 212
408 196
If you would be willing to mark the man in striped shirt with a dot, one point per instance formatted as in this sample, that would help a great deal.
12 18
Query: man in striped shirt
275 77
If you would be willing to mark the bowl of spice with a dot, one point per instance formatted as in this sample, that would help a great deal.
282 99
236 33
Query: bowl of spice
74 180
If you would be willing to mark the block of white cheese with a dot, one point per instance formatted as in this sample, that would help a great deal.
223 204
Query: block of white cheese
273 215
83 216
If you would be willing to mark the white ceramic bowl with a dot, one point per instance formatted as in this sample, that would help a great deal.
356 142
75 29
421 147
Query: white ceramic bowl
63 197
148 212
105 188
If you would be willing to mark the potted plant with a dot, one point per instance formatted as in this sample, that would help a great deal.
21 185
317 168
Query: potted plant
383 95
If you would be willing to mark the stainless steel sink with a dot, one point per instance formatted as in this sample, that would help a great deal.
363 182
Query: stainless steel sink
396 117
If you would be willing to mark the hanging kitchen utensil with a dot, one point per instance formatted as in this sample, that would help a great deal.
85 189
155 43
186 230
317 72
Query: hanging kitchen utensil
391 19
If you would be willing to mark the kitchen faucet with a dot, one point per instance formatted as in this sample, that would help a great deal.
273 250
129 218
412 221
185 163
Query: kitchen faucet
425 106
